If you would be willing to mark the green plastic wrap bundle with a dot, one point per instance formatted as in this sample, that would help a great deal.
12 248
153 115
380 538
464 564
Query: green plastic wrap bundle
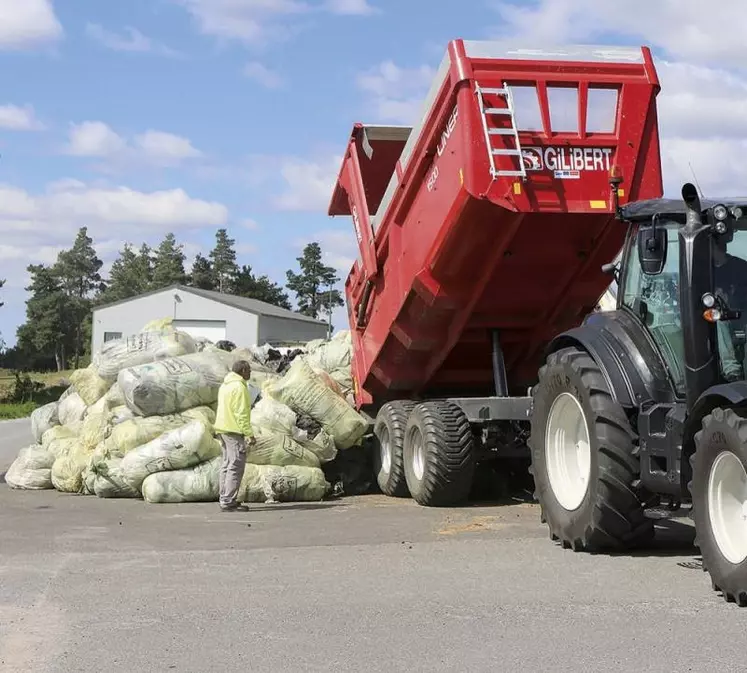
271 449
293 483
302 390
174 450
89 385
69 465
195 484
107 481
175 384
140 349
32 469
43 419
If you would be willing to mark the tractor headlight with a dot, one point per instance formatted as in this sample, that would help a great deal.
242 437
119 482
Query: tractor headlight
720 212
709 301
737 212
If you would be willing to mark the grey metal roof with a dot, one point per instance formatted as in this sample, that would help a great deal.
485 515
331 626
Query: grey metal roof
241 303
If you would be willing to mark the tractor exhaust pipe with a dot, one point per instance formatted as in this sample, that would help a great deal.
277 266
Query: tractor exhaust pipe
696 278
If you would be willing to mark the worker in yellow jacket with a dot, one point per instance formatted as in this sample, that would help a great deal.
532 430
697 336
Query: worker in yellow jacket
234 429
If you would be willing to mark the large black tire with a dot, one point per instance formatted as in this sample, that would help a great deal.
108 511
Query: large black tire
390 428
611 515
724 431
448 455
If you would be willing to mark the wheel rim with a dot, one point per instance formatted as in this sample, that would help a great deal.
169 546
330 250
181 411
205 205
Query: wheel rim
727 506
568 451
418 454
386 450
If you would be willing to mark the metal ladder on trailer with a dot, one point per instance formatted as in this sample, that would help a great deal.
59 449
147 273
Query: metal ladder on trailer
492 131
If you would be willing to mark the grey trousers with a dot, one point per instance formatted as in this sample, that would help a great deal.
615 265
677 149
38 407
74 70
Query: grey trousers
232 468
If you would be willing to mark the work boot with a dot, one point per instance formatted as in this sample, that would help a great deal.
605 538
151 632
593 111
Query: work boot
235 507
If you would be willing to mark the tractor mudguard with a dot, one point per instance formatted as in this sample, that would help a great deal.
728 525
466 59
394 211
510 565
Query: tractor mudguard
629 362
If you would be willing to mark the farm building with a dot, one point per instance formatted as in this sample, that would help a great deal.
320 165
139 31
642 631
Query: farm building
202 313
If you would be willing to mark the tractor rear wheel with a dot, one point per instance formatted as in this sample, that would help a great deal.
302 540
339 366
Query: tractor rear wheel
439 454
389 430
719 493
583 458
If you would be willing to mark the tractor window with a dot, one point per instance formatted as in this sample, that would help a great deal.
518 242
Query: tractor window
654 299
730 275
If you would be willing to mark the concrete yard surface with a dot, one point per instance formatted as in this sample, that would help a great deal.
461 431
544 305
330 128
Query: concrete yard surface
359 584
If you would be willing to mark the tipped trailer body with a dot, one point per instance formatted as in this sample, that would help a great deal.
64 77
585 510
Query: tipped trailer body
482 230
482 233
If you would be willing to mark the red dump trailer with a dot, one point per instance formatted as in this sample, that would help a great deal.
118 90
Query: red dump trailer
483 231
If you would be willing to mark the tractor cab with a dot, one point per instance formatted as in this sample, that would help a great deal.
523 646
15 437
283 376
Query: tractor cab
650 282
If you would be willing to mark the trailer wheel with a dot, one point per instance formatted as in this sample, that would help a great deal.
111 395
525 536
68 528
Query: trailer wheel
439 454
719 492
389 430
583 458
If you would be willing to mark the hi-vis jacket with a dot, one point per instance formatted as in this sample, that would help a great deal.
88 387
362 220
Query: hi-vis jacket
234 407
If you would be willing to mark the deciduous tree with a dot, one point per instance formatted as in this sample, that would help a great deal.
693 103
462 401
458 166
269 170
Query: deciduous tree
314 285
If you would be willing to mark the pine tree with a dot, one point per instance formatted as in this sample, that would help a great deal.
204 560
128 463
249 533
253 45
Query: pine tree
49 322
168 265
223 259
78 272
129 276
202 275
314 286
246 284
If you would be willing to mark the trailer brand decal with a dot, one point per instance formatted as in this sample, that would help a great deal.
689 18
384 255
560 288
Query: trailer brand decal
357 224
567 175
430 183
565 160
448 131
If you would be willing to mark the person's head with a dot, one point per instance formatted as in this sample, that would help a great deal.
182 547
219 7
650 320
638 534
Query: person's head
242 368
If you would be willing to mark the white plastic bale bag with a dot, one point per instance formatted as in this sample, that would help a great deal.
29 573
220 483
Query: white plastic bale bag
115 397
109 482
280 450
43 419
204 414
31 470
268 483
174 450
323 446
195 484
140 349
71 409
135 432
302 390
172 385
89 385
272 416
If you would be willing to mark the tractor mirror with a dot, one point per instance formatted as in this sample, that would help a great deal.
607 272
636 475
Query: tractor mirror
652 249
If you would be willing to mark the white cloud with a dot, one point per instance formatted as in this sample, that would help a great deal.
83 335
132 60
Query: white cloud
16 118
307 184
132 41
350 7
27 23
166 147
254 21
686 29
395 94
95 139
263 75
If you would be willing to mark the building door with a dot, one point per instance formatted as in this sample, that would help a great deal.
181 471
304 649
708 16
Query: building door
214 330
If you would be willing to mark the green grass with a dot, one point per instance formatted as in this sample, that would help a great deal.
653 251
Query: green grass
53 388
9 412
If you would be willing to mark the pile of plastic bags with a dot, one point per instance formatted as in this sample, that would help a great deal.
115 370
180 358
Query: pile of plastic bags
138 422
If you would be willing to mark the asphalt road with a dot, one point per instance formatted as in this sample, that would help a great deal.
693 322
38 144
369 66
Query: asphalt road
363 584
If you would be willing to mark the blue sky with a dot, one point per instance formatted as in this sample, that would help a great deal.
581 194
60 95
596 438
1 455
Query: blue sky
141 117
